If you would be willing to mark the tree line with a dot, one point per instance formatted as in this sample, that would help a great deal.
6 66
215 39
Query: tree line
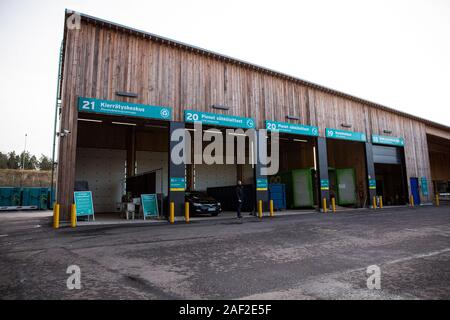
25 161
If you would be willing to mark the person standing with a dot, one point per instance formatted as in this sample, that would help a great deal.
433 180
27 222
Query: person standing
240 198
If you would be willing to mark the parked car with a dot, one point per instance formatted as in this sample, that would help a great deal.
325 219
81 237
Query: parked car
202 203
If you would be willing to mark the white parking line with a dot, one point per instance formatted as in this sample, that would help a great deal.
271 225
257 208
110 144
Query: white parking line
418 256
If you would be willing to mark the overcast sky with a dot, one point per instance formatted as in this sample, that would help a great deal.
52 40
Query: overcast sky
395 52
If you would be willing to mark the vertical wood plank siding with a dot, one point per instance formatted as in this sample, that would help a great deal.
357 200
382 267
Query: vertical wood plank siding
100 61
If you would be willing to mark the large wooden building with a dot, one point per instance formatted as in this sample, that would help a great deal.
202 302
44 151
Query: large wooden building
109 62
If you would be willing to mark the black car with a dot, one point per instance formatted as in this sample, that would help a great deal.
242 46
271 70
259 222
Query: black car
202 203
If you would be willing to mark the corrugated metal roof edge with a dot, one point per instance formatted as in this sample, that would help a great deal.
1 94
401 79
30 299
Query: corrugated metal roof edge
219 56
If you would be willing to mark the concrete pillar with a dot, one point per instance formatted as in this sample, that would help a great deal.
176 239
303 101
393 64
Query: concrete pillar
324 182
260 181
176 176
370 168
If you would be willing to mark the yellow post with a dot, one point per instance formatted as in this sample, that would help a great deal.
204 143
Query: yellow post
381 202
271 208
172 213
56 216
260 209
186 211
324 205
73 216
333 204
374 202
411 201
437 200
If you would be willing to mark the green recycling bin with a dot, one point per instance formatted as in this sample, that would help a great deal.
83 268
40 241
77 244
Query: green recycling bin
346 186
299 187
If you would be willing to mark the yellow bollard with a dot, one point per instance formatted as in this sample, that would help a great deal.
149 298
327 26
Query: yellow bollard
374 200
437 200
381 202
186 211
333 204
56 216
271 208
73 216
411 201
324 205
260 209
172 213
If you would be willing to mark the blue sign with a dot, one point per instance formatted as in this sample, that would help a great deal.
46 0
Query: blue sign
292 128
345 135
372 184
392 141
424 188
177 184
262 184
118 108
215 119
149 204
324 184
83 202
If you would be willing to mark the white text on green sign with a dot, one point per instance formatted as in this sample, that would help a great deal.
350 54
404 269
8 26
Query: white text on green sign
345 135
119 108
292 128
262 184
393 141
149 205
215 119
177 184
83 203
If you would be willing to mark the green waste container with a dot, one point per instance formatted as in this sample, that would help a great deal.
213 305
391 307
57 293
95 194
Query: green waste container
299 187
10 197
346 186
37 197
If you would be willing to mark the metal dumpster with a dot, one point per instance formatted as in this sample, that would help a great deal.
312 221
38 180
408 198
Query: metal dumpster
10 197
35 197
299 188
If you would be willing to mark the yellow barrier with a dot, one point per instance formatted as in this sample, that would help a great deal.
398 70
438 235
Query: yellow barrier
381 202
374 204
56 216
271 208
333 204
324 205
411 201
172 213
260 209
186 211
437 200
73 216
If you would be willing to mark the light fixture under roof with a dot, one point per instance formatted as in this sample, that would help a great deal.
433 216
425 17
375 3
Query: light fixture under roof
220 107
346 125
289 117
126 94
387 131
89 120
124 123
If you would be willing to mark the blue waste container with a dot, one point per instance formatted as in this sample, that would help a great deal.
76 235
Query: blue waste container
277 193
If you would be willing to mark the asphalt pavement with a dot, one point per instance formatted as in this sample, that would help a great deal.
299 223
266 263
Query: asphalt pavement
308 256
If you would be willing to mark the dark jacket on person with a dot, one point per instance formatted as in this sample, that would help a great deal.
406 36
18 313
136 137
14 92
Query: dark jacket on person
240 193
